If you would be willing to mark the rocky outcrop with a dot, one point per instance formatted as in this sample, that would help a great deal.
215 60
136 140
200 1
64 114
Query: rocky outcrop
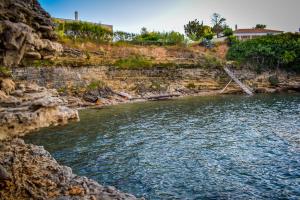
27 107
30 172
25 30
155 81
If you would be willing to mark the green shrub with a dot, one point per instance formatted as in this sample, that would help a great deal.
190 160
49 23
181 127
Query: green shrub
191 86
151 38
134 62
212 61
5 72
269 51
96 84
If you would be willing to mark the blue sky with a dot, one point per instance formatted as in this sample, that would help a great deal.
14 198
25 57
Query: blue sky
166 15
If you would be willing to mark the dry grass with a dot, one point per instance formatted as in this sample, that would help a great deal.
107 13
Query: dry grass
111 54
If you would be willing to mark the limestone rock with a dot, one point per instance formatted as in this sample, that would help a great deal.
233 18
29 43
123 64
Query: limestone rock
37 175
4 174
32 107
3 96
95 94
33 55
25 26
7 86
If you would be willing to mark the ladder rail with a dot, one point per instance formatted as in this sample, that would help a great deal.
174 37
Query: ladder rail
245 88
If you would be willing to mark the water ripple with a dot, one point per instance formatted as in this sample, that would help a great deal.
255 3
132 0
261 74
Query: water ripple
230 147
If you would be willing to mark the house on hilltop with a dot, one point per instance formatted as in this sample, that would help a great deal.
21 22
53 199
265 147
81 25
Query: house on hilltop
246 34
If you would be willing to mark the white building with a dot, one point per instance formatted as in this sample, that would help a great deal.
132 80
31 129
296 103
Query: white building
246 34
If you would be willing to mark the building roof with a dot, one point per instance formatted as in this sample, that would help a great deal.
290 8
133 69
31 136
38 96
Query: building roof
257 30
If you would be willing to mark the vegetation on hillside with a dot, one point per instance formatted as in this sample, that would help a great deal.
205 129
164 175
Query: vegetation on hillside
134 62
82 31
271 51
150 38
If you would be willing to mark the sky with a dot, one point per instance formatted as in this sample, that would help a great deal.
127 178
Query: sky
167 15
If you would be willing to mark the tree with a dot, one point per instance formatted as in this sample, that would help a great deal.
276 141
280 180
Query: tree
227 32
207 32
218 23
261 26
144 31
194 30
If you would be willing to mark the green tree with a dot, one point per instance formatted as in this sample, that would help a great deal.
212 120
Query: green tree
218 23
227 32
207 32
260 26
194 30
144 31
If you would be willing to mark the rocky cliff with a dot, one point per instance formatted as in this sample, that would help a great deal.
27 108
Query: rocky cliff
26 30
155 81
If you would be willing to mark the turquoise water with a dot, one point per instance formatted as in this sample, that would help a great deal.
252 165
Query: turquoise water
228 147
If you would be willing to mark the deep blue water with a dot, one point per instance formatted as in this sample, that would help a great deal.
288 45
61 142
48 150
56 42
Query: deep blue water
228 147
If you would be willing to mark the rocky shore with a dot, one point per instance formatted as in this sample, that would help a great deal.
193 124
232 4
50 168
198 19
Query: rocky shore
27 107
30 172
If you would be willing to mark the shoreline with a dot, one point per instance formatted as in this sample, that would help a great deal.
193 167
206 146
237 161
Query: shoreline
199 94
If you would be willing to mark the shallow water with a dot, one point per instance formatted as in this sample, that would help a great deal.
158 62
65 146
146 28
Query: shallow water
230 147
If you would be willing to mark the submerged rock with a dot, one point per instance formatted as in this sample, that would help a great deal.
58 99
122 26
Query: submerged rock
32 173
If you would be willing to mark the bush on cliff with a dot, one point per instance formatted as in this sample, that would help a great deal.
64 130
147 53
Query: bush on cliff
271 51
150 38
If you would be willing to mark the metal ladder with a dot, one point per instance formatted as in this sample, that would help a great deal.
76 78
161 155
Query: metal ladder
243 86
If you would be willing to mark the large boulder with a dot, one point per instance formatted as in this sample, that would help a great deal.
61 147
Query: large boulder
25 27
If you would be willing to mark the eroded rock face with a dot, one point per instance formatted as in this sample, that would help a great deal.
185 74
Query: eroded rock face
25 30
29 107
29 172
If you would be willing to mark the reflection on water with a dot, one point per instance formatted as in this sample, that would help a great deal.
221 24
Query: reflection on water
230 147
